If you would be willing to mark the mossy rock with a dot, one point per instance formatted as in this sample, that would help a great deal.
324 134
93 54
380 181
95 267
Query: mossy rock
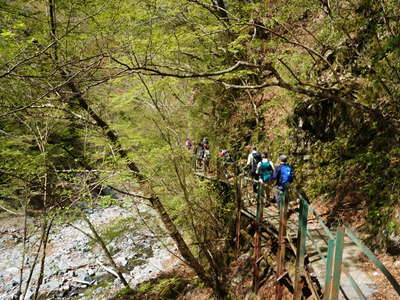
163 287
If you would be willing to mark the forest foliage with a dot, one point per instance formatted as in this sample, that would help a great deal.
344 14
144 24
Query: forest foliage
87 87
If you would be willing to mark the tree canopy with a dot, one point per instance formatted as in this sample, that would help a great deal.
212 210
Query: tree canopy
114 87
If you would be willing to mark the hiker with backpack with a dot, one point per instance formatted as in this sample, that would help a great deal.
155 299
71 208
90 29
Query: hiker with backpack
265 168
226 157
198 152
206 158
205 143
284 176
252 161
188 144
225 163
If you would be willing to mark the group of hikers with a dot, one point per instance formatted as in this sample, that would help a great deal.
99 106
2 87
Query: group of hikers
201 153
258 166
261 169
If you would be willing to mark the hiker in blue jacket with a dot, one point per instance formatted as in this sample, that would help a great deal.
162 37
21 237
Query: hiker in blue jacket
284 176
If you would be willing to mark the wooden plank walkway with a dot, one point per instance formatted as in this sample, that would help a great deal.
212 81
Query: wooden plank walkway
271 216
352 256
352 263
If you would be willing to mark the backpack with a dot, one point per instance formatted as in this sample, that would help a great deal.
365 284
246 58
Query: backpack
256 159
227 157
266 171
286 175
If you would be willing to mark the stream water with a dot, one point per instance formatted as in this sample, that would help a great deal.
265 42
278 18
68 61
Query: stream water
75 265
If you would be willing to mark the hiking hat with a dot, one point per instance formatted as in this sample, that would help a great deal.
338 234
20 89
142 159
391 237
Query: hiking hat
283 158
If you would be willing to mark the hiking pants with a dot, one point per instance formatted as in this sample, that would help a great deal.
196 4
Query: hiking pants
278 195
256 177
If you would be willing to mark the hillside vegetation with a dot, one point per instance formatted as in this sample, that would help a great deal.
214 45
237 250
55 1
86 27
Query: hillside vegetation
99 95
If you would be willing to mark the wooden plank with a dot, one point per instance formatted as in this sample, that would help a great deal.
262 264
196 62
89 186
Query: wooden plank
238 195
257 236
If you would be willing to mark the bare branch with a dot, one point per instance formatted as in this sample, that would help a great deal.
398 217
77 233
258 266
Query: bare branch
51 106
10 211
52 44
154 71
26 60
248 87
216 11
66 82
127 193
290 70
107 269
297 43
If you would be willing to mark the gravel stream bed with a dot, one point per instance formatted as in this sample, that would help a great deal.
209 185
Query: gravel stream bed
74 262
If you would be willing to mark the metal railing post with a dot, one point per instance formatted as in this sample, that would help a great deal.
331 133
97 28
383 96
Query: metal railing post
329 263
334 267
351 234
301 248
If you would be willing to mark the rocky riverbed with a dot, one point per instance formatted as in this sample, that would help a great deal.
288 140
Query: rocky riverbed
75 265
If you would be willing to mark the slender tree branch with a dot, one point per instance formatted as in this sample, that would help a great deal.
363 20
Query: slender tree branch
128 193
51 106
153 71
290 70
10 211
50 45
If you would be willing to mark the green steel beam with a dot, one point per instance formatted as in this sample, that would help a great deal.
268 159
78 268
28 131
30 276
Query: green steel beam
329 263
321 222
301 248
325 260
374 259
337 266
349 277
354 285
303 197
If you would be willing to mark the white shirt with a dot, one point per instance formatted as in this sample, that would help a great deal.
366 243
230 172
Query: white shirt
250 158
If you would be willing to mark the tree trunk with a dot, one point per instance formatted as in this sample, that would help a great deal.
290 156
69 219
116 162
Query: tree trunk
142 180
43 260
100 241
149 193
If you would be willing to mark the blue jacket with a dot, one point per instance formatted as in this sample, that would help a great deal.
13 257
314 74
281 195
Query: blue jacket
283 174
